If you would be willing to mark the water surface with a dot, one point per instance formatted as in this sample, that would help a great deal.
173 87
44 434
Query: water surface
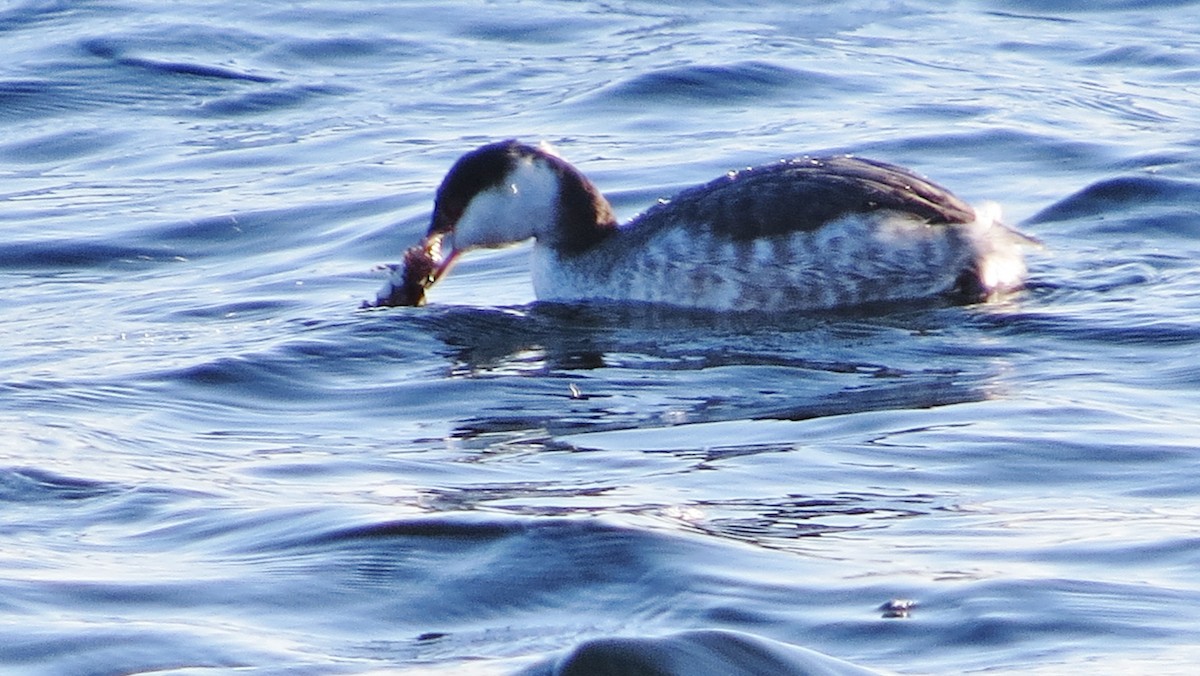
215 461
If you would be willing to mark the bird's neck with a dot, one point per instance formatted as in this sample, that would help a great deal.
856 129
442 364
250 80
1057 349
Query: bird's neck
584 217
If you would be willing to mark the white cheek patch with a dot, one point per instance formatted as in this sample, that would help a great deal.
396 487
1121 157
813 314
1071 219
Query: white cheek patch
488 221
524 206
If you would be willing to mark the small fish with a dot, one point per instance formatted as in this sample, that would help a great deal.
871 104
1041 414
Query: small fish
408 280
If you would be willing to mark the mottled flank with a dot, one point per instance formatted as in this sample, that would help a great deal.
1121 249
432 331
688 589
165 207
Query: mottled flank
853 260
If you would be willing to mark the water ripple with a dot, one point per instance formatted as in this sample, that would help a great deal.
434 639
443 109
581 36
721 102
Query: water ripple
720 84
1157 202
111 51
215 461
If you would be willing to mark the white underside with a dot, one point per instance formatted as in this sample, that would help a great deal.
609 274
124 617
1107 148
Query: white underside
855 260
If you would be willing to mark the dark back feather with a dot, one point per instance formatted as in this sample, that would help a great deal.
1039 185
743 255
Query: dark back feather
802 194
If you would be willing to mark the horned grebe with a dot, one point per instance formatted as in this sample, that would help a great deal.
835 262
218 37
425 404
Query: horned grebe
800 234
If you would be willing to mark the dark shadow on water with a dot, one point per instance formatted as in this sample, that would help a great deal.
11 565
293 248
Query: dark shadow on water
595 367
1139 205
693 653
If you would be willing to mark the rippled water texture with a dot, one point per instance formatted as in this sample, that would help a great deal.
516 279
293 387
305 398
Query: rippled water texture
214 461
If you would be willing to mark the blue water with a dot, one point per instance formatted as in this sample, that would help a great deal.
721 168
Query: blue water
214 462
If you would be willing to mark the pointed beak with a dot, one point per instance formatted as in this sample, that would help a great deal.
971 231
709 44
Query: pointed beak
435 245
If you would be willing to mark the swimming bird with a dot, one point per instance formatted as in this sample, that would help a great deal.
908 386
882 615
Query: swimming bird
807 233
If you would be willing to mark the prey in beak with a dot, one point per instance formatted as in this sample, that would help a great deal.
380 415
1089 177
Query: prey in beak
423 265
